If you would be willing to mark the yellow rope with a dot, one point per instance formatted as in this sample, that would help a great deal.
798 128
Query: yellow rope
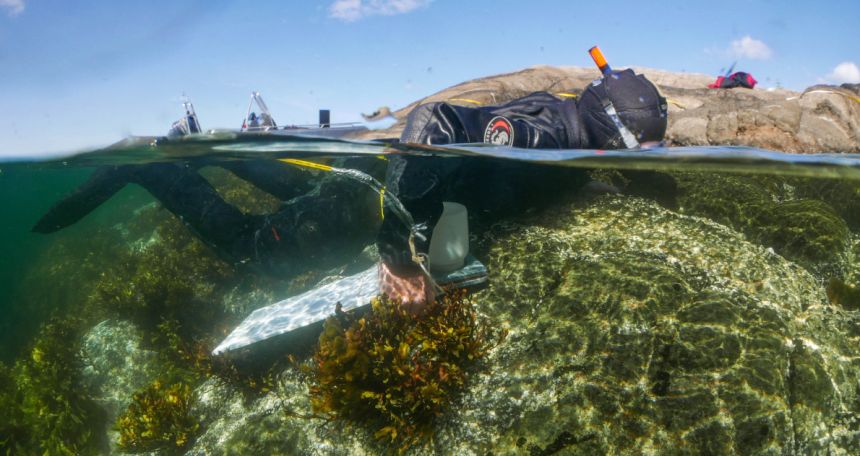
676 103
382 203
467 100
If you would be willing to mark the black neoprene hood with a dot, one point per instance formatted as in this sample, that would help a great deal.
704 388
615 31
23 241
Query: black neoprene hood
634 98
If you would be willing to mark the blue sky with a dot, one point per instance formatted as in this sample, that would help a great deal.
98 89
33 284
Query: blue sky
87 73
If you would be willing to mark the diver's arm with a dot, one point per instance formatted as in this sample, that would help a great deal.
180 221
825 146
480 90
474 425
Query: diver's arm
420 183
537 121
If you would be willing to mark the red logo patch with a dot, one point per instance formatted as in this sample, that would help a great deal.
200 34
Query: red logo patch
499 132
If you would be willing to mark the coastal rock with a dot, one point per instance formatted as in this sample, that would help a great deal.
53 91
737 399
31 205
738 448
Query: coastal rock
830 119
631 328
820 119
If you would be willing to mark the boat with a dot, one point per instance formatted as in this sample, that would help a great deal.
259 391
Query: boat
258 120
188 124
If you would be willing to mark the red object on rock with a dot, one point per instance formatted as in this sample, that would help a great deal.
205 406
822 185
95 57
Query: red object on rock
739 79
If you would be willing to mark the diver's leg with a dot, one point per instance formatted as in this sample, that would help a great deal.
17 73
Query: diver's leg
330 224
334 220
278 179
191 198
103 183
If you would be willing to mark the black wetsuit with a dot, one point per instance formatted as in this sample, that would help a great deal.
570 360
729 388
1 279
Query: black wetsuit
498 188
319 219
490 189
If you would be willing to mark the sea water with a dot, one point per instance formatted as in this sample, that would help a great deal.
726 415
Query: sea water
732 270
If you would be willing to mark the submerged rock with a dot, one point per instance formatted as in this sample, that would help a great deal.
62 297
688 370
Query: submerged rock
793 216
632 329
657 332
115 365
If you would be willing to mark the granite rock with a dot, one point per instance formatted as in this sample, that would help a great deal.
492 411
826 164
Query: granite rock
819 119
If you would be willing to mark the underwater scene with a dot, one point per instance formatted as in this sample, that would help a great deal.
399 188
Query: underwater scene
683 300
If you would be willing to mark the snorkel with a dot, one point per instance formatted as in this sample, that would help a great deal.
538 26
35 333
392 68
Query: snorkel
599 60
628 138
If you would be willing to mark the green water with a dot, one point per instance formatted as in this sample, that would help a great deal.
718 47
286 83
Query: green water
30 191
131 259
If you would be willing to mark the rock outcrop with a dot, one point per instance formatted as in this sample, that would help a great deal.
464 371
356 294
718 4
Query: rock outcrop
820 119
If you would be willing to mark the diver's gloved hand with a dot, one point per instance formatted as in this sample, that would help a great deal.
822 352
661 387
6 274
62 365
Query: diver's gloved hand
413 291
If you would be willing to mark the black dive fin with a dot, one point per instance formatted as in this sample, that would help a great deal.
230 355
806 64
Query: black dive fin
102 184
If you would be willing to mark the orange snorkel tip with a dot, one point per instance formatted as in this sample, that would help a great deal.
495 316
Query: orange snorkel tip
599 60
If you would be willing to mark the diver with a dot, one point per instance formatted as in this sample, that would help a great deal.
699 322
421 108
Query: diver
333 217
253 122
621 110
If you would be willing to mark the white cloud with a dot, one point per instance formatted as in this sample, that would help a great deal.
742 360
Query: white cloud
750 48
845 72
12 7
353 10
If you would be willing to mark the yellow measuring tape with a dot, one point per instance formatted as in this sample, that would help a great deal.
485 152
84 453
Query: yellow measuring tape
321 167
307 164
